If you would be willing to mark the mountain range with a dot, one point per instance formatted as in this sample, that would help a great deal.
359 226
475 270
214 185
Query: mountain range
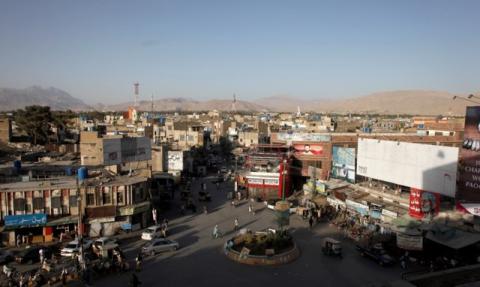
12 99
414 102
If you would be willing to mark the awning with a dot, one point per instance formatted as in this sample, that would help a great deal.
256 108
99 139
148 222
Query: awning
63 220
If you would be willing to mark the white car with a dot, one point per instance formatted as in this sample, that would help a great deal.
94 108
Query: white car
152 232
105 243
74 247
159 245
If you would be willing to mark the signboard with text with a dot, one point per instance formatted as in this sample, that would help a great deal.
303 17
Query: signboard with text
468 189
26 219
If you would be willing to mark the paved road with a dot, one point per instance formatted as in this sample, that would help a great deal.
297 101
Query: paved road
200 261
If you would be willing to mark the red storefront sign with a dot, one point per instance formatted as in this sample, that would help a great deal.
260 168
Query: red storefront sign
423 203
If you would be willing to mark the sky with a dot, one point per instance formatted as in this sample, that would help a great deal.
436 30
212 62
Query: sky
96 50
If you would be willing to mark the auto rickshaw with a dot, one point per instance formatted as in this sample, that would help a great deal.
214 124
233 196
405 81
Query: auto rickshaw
332 247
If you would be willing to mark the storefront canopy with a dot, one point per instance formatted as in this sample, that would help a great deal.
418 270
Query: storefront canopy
453 238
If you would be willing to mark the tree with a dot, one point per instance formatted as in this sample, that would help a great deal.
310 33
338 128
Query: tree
35 121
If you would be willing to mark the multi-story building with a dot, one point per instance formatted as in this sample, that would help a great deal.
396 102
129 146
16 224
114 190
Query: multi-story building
43 209
5 129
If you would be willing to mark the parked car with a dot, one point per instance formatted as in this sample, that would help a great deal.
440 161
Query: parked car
6 257
74 247
377 253
105 243
159 245
152 232
32 255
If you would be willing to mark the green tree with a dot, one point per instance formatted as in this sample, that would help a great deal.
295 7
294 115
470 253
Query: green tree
35 122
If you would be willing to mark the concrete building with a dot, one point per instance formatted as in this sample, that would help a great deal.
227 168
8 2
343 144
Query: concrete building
113 150
5 129
45 208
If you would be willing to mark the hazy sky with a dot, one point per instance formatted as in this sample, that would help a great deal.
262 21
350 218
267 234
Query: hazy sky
95 50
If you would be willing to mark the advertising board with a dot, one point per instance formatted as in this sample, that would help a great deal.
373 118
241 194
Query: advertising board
128 149
343 166
468 192
423 204
314 137
308 149
422 166
175 160
409 242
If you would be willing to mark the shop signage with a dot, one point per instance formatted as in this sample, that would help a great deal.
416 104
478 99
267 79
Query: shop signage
468 188
314 137
271 181
360 208
255 181
409 242
389 213
335 202
26 219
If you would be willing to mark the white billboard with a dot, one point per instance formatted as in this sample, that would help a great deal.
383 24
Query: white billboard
175 160
427 167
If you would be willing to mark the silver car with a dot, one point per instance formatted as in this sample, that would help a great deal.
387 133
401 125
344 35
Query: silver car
159 245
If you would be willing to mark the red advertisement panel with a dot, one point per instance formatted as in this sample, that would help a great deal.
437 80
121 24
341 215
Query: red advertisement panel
468 188
423 204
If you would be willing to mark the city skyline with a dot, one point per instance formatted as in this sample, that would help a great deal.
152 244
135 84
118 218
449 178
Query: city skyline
210 50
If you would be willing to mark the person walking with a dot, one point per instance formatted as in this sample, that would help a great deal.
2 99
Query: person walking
250 209
138 261
41 254
19 240
235 224
310 222
216 232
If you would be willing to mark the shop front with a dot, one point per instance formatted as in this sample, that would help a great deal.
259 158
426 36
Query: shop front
25 229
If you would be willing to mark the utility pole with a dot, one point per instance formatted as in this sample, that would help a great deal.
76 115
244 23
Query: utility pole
284 173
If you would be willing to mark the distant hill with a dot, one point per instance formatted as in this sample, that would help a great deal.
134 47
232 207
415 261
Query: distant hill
183 104
413 102
12 99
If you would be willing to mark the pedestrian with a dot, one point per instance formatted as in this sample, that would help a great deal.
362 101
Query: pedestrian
310 222
250 209
205 211
41 254
215 233
63 276
138 261
236 224
19 240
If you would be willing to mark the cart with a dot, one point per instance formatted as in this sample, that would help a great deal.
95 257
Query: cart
331 247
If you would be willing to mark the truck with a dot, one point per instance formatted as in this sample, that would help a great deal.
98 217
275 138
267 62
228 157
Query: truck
377 253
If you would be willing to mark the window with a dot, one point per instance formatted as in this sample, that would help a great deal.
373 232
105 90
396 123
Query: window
190 138
182 137
107 199
120 197
90 199
38 203
19 204
56 202
72 200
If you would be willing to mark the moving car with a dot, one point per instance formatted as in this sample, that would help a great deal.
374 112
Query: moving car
152 232
32 255
159 245
74 247
377 253
105 243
